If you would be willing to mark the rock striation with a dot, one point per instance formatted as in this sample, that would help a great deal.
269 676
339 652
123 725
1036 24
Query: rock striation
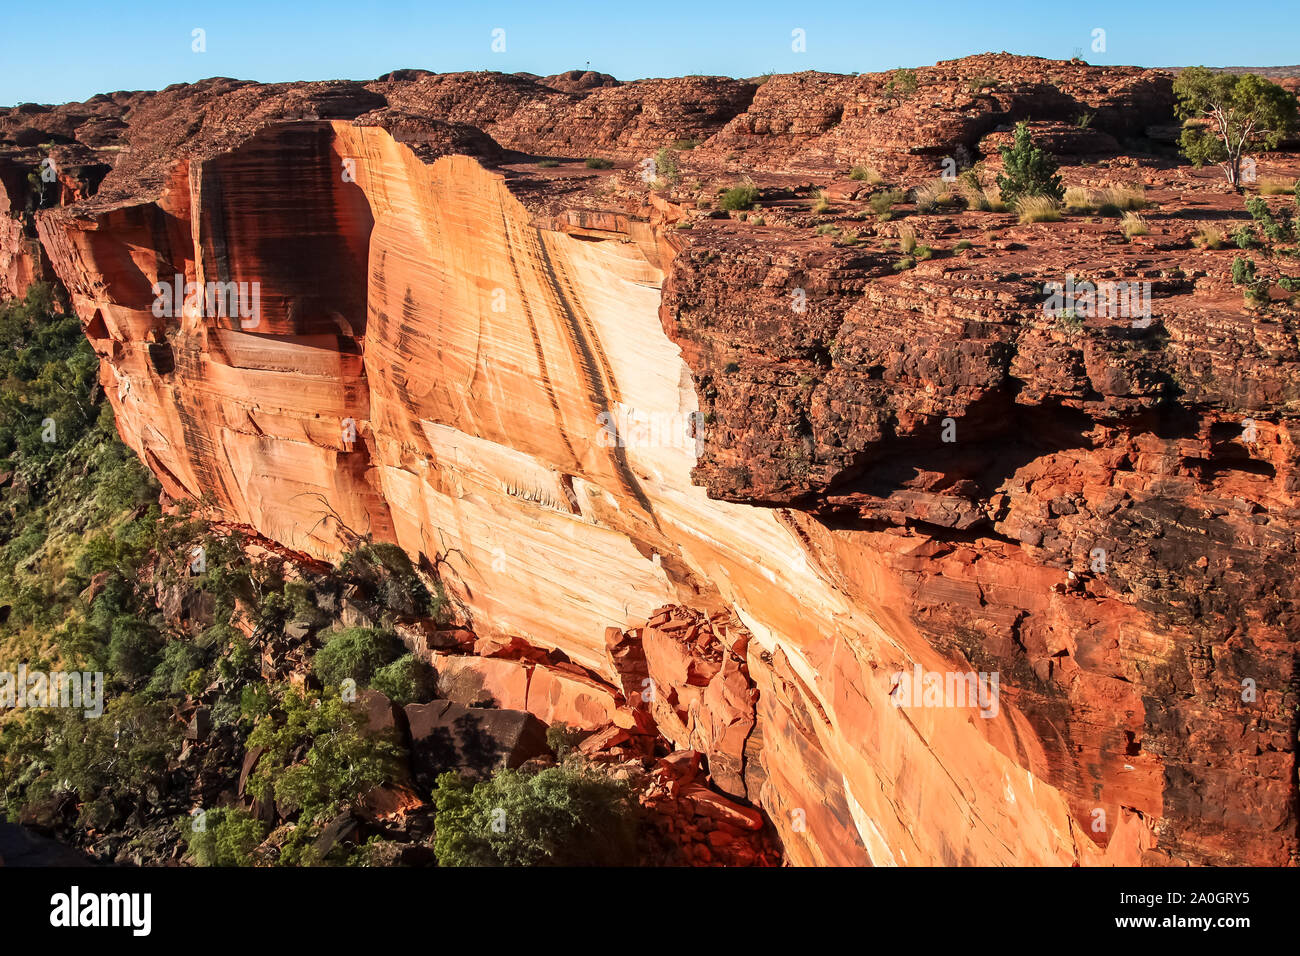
724 478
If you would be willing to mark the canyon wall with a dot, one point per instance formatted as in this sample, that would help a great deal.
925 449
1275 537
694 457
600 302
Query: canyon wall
573 412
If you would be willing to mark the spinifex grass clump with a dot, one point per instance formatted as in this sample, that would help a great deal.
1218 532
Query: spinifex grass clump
967 188
1277 186
1123 198
934 195
882 202
1208 237
739 197
1078 200
1107 201
1037 209
1133 225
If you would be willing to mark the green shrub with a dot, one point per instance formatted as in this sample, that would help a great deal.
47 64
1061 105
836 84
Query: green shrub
1028 170
240 660
595 162
180 658
1255 288
405 681
1243 271
342 762
548 163
562 738
882 202
356 653
228 837
666 166
134 648
561 816
55 751
739 197
387 572
1257 294
255 701
1277 231
901 83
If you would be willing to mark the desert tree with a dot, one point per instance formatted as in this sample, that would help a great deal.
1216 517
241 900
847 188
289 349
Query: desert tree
1225 115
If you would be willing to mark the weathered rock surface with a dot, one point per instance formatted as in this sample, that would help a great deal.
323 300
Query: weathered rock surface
443 324
690 673
473 740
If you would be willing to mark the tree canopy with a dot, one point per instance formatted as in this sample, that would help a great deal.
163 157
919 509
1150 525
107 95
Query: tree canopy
1225 115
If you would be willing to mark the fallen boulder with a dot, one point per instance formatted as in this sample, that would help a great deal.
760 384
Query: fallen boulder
473 740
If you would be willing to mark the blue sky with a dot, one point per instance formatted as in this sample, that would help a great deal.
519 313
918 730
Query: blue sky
76 48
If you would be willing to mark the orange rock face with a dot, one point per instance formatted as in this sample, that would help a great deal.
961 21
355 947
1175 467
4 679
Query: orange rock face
616 441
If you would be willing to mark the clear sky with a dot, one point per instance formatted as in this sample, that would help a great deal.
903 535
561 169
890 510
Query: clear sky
70 50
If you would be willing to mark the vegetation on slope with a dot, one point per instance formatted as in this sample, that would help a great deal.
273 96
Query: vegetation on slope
206 661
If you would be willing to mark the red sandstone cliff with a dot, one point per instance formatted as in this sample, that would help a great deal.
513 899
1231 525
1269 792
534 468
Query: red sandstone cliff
443 323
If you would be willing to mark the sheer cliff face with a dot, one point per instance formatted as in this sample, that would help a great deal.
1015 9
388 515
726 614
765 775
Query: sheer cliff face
444 348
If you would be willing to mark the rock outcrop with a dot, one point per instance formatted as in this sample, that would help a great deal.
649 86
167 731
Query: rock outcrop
749 462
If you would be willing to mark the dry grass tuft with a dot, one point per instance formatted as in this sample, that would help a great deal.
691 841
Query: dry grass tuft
1208 237
1133 225
1037 209
1276 186
933 195
1078 200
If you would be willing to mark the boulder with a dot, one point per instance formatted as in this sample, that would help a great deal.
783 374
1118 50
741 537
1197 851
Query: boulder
382 714
473 740
200 725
